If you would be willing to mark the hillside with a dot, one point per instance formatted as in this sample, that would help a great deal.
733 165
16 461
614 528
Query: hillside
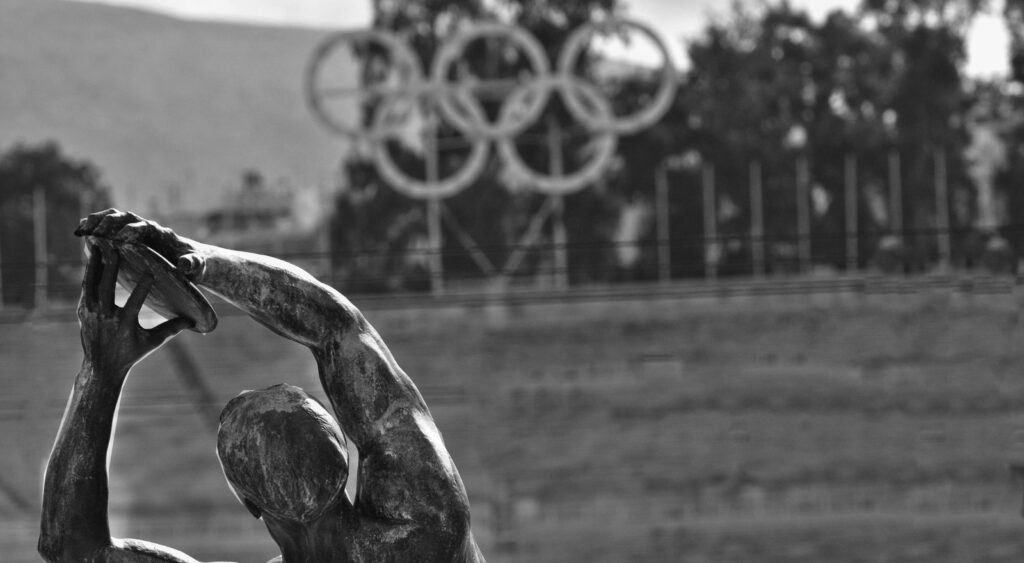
158 102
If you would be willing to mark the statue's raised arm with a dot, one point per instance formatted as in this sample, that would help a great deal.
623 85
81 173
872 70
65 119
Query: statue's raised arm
411 504
74 515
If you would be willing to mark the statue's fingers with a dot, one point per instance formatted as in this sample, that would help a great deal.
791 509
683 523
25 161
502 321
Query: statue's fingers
138 297
90 281
136 231
108 280
110 224
88 225
132 217
160 333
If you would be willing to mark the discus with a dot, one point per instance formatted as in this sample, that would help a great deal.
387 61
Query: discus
172 295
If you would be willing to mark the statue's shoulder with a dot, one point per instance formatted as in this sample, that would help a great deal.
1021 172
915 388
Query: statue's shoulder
278 559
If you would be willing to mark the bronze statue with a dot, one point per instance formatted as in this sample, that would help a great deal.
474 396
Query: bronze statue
283 454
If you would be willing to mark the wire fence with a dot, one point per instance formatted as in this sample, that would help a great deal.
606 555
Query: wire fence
702 220
727 260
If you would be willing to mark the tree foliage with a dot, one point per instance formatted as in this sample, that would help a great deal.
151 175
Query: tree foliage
770 84
68 188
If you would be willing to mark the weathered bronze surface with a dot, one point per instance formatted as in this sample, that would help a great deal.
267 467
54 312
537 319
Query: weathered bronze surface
283 454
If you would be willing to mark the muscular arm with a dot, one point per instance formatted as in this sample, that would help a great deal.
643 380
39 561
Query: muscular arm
279 295
74 516
360 376
75 489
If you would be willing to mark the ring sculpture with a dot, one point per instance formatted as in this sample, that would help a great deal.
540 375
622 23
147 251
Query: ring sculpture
457 103
283 453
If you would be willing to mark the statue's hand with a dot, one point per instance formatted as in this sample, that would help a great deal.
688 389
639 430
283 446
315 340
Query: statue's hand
112 339
125 226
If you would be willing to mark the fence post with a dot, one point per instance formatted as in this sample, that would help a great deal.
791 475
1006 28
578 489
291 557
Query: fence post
712 250
42 261
323 237
757 242
662 219
2 303
850 180
942 219
895 195
803 212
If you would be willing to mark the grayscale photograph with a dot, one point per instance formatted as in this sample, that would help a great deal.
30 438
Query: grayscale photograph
512 281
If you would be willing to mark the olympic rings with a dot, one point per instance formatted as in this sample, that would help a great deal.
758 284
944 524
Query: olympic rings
458 104
426 189
403 59
643 118
604 150
453 49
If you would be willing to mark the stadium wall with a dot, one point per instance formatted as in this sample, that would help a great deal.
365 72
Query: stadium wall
648 423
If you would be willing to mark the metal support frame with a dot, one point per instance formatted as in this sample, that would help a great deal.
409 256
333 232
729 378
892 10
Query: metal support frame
434 232
559 234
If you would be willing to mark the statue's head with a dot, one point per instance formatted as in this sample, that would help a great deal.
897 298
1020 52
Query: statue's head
282 453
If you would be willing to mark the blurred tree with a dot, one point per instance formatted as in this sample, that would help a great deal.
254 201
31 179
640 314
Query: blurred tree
70 188
931 99
751 94
1007 107
1013 12
768 83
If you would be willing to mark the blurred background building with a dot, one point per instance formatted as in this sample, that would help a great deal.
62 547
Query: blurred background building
780 326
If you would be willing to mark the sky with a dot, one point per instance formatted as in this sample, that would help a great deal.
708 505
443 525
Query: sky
674 20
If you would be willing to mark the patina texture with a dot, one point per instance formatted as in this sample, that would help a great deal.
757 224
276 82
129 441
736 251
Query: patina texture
283 454
279 431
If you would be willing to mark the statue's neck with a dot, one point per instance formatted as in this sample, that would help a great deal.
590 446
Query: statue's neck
311 542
